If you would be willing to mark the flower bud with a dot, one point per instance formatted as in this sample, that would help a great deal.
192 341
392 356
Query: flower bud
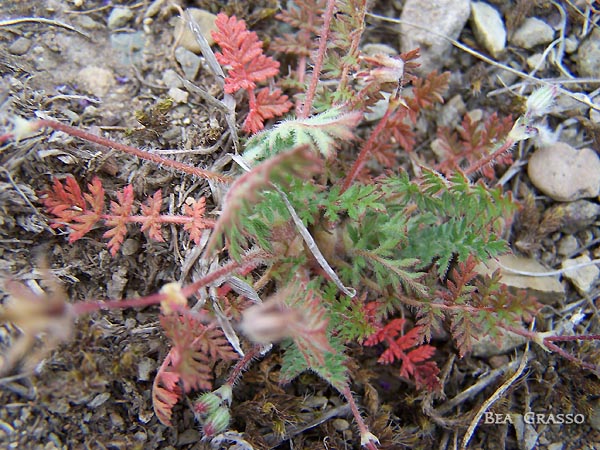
540 101
207 404
216 422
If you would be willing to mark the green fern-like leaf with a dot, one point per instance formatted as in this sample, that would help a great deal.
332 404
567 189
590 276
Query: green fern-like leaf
334 370
322 133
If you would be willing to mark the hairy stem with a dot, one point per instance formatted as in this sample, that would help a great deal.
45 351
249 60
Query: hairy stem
505 147
366 150
130 150
314 81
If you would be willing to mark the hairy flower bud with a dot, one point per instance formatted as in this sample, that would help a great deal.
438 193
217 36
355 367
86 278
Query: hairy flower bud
540 101
217 422
207 404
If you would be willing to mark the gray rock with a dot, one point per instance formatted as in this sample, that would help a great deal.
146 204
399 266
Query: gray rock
536 62
205 20
488 27
576 216
533 32
20 46
567 245
547 289
446 17
189 62
119 17
171 79
564 173
588 55
583 278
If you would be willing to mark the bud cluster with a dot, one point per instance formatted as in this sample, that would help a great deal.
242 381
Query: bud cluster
212 410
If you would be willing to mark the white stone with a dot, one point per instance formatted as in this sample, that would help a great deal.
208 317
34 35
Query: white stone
583 278
533 32
178 95
488 27
588 56
564 173
445 17
119 17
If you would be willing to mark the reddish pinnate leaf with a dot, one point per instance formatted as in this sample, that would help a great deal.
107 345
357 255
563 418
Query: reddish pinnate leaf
80 212
197 224
120 212
414 363
267 105
242 53
196 348
151 211
166 392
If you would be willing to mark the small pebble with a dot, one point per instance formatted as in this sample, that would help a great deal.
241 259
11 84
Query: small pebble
20 46
119 17
564 173
446 17
340 424
189 62
567 245
583 278
576 216
96 80
533 32
588 56
488 27
171 79
536 62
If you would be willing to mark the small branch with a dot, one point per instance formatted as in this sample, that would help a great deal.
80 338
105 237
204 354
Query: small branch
495 396
55 23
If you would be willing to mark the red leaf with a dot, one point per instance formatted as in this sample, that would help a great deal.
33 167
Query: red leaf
120 212
166 392
414 363
266 106
151 213
80 212
197 224
242 52
196 348
87 220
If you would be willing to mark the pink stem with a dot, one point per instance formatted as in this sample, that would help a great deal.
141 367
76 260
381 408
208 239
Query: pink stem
131 150
209 223
312 88
366 150
488 159
86 307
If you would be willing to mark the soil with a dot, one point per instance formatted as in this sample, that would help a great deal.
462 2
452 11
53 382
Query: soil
94 389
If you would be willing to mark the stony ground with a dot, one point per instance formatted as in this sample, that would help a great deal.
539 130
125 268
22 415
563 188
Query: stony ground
107 69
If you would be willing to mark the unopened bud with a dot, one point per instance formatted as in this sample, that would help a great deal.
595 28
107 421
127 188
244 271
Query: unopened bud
174 298
540 101
207 404
217 422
